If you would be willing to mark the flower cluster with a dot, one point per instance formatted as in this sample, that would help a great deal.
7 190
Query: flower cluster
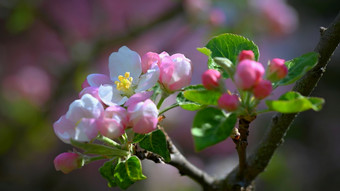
249 79
109 106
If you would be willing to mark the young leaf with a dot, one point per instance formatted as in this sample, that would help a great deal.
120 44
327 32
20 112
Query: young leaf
90 148
228 46
187 104
107 171
138 137
202 96
226 64
298 67
133 168
156 143
293 102
211 126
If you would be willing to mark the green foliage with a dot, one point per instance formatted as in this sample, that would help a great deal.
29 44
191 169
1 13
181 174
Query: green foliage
128 172
90 148
211 126
227 46
202 96
138 137
107 171
156 143
297 67
188 104
293 102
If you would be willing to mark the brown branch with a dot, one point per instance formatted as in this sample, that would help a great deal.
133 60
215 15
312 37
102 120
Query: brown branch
280 123
187 168
242 143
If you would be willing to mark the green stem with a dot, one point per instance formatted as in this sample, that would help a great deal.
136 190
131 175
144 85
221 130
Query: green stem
164 95
95 158
108 141
168 108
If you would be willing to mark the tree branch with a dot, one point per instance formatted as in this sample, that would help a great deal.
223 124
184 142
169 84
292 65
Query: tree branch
187 168
280 123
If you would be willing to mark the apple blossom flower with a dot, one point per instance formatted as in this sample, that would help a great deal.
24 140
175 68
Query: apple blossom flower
276 70
262 89
175 71
67 162
211 79
246 54
113 122
79 122
248 73
143 116
228 102
126 72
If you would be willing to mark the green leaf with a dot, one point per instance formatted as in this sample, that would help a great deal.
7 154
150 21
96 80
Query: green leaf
90 148
128 172
187 104
293 102
298 67
227 46
202 96
211 126
138 138
156 143
107 171
134 169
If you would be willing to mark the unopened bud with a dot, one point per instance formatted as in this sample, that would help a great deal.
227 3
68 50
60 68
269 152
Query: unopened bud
210 79
228 102
248 74
276 70
262 89
67 162
246 54
148 60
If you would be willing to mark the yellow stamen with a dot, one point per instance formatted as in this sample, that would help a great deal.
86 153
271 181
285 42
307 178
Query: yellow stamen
124 83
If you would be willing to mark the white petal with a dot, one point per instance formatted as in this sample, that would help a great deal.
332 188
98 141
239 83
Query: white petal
111 96
86 107
85 130
95 80
64 129
125 60
149 79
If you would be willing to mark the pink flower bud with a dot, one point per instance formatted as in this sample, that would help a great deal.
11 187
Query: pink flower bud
248 74
246 54
148 60
228 102
262 89
113 122
143 116
67 162
210 79
175 71
276 70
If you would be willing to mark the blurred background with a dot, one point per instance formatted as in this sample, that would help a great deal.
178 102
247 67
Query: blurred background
48 47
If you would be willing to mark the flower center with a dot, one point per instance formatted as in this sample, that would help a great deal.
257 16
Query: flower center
124 83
